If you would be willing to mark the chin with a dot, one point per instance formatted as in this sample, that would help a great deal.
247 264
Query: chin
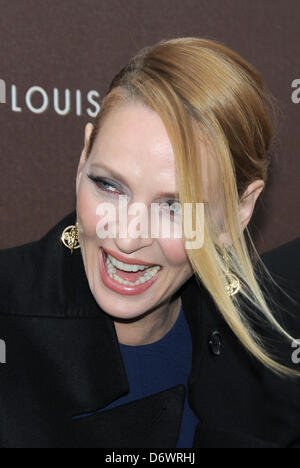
119 309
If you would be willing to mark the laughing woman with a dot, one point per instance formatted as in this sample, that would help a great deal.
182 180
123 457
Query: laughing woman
126 340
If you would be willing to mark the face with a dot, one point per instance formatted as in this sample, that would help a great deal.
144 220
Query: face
131 156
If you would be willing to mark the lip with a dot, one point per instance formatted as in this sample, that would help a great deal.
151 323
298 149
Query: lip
119 288
130 261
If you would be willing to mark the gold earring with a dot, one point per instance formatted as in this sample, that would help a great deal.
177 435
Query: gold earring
70 237
233 283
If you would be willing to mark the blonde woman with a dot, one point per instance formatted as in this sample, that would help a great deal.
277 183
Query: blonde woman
112 339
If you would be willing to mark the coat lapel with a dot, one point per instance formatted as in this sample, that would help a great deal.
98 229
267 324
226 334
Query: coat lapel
66 337
153 421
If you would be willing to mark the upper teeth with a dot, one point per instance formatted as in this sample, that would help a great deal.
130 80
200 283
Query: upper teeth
125 266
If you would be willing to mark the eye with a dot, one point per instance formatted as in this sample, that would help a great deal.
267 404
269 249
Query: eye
174 207
105 185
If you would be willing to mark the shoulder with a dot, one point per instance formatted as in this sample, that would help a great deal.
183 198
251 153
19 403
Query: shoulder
283 296
18 272
284 262
30 273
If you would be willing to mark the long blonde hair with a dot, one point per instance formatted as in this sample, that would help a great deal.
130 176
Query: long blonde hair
200 87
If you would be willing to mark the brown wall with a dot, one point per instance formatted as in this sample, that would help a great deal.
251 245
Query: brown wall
80 45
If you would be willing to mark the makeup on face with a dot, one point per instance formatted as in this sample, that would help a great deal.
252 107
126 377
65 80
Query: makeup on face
132 155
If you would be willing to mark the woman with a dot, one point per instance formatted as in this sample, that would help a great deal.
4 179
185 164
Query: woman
118 339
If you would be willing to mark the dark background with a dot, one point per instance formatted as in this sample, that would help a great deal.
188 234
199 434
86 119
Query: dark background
81 45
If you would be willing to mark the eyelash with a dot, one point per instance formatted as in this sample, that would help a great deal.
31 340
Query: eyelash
100 180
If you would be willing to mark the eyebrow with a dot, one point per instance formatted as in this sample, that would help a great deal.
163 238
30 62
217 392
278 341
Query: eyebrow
111 172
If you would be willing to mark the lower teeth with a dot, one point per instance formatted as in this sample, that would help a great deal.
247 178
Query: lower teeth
150 273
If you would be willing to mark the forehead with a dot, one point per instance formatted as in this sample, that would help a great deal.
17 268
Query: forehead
134 142
134 134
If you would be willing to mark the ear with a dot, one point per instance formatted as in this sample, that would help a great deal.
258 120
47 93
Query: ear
83 157
246 207
248 201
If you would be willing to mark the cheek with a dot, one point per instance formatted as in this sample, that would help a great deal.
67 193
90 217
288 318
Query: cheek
86 206
174 252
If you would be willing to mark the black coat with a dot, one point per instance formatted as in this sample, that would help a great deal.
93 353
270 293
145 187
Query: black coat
63 359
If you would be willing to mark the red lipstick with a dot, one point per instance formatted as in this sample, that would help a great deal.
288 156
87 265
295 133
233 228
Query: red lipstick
116 286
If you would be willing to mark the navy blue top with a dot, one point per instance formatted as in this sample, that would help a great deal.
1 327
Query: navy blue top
158 366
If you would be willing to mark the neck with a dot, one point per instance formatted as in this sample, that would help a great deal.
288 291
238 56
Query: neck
151 327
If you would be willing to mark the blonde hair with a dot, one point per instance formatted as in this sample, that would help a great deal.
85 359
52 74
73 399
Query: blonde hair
201 88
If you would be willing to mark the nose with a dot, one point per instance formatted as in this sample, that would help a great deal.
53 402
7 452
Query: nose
135 236
130 245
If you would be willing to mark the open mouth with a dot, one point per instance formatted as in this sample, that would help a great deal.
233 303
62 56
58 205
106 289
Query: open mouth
130 275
